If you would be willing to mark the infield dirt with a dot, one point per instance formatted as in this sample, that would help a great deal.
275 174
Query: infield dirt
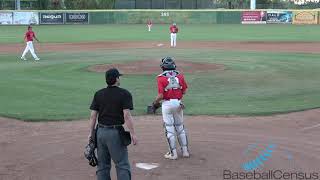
302 47
54 150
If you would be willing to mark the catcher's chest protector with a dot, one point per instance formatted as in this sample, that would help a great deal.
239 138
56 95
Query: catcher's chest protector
172 79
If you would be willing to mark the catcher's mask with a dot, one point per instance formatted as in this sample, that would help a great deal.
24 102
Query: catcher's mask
168 63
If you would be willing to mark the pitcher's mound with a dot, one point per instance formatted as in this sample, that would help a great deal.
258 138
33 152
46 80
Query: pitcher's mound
153 67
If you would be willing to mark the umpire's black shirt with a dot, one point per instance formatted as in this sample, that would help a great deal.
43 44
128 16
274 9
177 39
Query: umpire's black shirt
110 103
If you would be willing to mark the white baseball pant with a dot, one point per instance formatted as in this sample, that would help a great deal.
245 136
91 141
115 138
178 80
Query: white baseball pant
172 115
173 37
30 48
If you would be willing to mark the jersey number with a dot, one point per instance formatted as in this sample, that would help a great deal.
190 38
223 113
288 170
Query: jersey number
173 83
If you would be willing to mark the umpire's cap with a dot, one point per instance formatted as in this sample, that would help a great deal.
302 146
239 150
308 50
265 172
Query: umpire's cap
112 75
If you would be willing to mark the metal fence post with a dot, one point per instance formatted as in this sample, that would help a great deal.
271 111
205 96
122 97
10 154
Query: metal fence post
18 5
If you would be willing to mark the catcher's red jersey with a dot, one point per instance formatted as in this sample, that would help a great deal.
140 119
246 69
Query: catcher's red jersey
171 92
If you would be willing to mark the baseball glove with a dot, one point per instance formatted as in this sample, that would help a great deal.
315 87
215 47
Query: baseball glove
89 151
151 109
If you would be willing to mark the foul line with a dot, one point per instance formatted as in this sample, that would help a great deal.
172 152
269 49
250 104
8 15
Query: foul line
7 37
311 127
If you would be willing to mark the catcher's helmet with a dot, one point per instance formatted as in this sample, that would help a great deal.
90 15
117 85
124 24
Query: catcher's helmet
167 63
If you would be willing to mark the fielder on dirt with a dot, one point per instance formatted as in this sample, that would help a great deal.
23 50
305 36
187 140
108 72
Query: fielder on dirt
171 88
28 38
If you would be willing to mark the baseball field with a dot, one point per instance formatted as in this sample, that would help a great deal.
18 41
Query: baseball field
249 86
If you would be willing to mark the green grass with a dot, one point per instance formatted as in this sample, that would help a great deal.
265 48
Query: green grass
213 32
254 83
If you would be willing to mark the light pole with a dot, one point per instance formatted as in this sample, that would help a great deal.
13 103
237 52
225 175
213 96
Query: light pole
252 4
18 6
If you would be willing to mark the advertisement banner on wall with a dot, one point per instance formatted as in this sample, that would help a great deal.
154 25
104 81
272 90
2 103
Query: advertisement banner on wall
254 17
51 18
6 18
305 17
77 18
279 17
25 18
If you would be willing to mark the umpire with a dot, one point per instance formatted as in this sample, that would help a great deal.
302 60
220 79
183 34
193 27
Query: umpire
112 106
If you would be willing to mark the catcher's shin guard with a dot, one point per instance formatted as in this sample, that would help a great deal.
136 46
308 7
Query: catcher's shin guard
182 135
170 134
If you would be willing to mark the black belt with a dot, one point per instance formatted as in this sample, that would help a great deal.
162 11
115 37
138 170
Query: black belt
109 126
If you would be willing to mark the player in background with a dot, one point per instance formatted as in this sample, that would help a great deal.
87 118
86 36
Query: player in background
149 24
173 30
28 38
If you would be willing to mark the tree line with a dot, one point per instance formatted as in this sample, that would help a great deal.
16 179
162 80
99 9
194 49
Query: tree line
77 4
110 4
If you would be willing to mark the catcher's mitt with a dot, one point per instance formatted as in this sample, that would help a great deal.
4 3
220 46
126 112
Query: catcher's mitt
89 151
151 109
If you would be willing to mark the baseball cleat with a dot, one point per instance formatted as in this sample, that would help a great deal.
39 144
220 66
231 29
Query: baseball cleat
37 59
23 58
185 154
173 156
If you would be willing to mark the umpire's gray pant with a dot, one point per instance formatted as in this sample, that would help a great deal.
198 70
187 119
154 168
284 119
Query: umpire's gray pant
110 147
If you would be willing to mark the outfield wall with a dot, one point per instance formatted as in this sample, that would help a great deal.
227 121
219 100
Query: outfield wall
160 17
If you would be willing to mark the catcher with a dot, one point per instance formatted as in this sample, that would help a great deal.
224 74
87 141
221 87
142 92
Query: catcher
171 88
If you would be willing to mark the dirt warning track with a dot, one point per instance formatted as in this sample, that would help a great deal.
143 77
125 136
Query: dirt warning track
301 47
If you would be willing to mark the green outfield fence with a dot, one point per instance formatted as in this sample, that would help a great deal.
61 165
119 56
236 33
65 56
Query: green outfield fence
164 17
160 17
136 16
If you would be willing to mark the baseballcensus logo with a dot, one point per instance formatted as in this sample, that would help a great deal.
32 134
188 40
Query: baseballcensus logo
257 160
258 155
